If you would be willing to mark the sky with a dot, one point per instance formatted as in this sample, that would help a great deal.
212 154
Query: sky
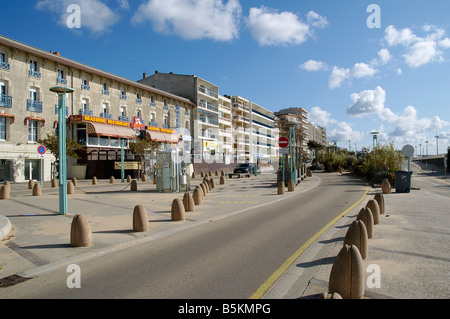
356 66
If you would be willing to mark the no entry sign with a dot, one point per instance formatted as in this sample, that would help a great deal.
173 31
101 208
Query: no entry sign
283 142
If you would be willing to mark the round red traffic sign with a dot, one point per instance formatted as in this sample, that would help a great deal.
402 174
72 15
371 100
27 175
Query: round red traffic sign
41 149
283 142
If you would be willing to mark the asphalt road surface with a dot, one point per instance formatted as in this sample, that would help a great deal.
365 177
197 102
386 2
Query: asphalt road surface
227 258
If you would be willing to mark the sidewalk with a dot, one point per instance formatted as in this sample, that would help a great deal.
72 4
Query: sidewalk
410 244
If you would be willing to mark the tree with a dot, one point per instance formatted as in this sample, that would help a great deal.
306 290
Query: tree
143 145
51 142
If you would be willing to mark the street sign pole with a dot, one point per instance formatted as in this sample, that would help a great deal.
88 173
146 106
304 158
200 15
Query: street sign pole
61 91
41 151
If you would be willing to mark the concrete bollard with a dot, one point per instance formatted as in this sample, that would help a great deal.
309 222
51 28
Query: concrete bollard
133 185
205 184
177 211
202 174
5 191
154 180
281 188
80 232
140 219
209 173
216 173
380 200
70 189
37 191
373 206
291 186
128 179
212 184
308 173
357 235
193 174
54 183
347 275
222 180
94 180
385 186
222 173
327 295
144 178
188 202
30 184
198 196
112 180
74 181
365 215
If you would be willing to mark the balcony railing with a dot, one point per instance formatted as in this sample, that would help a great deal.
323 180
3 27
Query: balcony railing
34 106
208 120
86 112
6 100
61 81
208 92
124 118
152 104
151 123
123 96
106 115
85 87
105 92
139 101
34 74
207 105
4 65
57 109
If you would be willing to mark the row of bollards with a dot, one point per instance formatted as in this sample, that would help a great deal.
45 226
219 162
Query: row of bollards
81 236
281 189
347 275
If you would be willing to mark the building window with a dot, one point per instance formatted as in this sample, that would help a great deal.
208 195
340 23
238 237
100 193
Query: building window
105 90
61 77
3 63
123 95
85 107
2 128
34 70
33 104
5 99
138 98
85 85
32 131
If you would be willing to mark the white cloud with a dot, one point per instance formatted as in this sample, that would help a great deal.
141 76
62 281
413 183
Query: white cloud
270 27
95 15
313 65
320 117
419 50
192 20
406 123
343 133
384 56
339 75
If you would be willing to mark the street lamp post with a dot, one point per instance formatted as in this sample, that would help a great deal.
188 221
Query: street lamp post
61 91
437 144
292 150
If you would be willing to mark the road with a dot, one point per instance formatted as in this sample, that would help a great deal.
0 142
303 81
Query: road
431 181
226 258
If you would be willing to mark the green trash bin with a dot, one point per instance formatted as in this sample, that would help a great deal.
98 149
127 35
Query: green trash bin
402 181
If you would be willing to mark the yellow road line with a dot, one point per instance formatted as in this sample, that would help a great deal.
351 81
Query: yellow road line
285 266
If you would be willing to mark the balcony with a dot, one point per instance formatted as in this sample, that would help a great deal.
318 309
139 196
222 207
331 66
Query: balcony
123 96
151 123
5 100
57 109
86 112
105 92
4 65
106 115
139 101
34 106
208 92
207 105
34 74
61 81
85 87
208 120
124 118
153 104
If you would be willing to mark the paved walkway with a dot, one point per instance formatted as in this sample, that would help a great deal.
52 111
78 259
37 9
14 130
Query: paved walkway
409 245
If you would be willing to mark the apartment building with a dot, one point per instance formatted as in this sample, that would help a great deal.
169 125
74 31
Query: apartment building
263 134
317 133
299 116
205 97
103 109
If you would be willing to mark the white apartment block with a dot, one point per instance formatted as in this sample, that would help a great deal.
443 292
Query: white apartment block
300 116
103 109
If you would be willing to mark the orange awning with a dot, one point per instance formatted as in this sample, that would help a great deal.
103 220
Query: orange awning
110 130
162 137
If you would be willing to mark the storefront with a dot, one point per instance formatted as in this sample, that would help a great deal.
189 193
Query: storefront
102 140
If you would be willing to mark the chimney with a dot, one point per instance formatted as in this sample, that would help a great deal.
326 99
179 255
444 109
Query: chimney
144 75
156 71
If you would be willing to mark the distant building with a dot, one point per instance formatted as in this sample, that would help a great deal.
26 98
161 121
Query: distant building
298 115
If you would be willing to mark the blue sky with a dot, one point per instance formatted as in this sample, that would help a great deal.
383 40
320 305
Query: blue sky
320 55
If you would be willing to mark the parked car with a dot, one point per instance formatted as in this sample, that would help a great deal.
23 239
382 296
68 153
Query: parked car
244 168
